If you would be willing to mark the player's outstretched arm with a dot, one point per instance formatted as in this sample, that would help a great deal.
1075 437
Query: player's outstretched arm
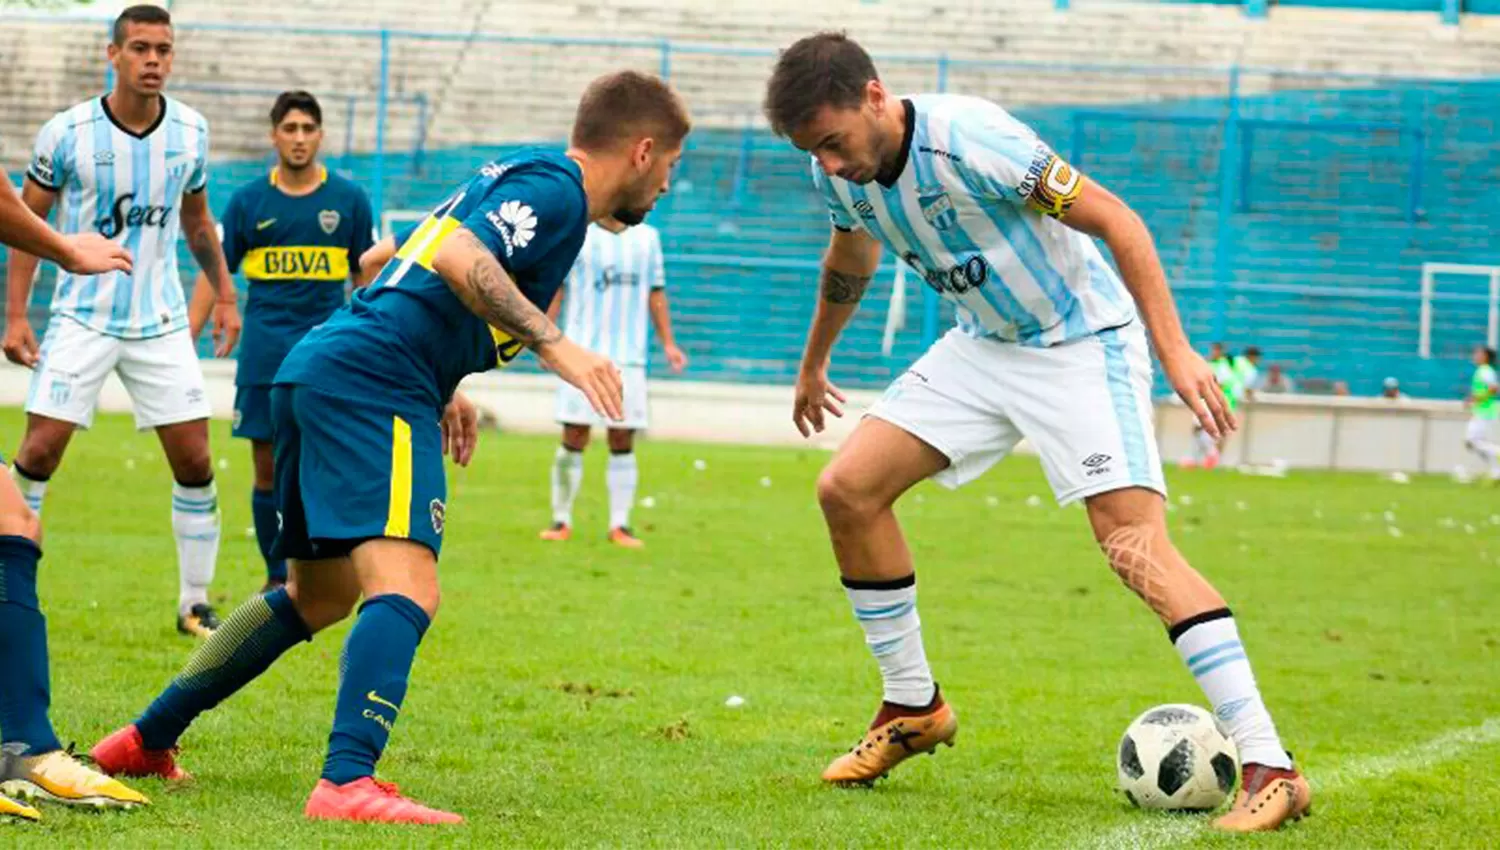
482 284
203 241
848 266
1099 213
23 226
35 203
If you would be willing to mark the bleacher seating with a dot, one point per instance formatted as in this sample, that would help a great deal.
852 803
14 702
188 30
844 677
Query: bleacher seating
1315 254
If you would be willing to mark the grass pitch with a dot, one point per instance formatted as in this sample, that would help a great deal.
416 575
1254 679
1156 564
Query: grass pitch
575 694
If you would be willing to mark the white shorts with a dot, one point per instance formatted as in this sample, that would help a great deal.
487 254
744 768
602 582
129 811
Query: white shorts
1480 430
161 374
573 407
1084 406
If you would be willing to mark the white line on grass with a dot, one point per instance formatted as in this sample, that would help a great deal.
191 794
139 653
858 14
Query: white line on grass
1163 832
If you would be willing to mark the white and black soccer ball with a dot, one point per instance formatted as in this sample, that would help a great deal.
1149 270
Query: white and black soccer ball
1175 757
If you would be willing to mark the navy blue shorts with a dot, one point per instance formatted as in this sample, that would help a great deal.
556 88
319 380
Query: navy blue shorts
252 413
347 472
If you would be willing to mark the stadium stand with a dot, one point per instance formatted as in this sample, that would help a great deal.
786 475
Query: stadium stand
1294 207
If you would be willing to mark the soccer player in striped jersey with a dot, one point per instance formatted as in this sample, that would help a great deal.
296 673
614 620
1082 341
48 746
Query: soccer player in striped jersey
617 282
132 166
297 234
1050 346
32 760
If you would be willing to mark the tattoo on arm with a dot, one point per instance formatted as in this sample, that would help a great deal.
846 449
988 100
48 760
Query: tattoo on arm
842 287
490 293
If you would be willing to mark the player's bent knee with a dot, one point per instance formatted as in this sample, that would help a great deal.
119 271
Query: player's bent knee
844 498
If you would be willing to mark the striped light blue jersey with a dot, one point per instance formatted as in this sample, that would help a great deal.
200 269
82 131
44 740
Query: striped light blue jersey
127 187
606 300
974 209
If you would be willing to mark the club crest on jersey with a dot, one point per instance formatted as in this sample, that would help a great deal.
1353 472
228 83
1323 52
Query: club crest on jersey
104 157
329 221
937 208
439 515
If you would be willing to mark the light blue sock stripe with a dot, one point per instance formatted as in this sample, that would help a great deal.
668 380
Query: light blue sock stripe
887 647
889 612
1228 644
1217 663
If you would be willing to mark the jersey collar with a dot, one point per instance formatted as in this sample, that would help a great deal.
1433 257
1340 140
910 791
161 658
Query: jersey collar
889 178
161 115
276 174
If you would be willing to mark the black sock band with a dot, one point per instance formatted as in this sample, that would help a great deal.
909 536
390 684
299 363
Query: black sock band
191 486
909 580
28 474
1181 628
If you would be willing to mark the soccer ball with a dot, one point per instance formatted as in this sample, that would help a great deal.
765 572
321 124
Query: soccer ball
1175 757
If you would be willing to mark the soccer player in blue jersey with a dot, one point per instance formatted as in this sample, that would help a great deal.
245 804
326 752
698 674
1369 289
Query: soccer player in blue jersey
131 165
33 762
365 407
297 234
1051 345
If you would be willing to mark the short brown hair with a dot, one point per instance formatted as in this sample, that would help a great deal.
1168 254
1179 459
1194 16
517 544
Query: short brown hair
142 14
625 104
827 69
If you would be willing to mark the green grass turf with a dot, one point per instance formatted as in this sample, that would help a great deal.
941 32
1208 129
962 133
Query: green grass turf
574 694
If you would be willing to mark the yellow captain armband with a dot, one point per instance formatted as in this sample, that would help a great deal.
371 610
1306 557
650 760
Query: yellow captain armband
1051 185
507 348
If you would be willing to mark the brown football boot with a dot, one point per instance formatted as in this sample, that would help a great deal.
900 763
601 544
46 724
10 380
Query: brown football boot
898 733
1268 798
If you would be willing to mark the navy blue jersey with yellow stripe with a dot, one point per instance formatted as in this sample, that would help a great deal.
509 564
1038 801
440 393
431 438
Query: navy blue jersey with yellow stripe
296 252
406 340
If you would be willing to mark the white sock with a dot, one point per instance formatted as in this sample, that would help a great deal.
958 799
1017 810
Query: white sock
887 611
1487 450
621 477
195 524
1210 646
32 490
567 475
1207 445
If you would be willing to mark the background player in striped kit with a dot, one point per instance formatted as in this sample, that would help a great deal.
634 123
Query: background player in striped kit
617 281
1050 346
297 235
32 760
132 166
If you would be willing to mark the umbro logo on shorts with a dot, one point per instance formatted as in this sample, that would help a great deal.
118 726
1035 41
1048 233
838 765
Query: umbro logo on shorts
1096 463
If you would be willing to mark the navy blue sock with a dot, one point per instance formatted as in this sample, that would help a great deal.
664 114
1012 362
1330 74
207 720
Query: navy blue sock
251 638
263 509
25 684
377 661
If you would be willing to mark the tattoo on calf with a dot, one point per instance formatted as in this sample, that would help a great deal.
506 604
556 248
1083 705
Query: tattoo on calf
841 287
1131 554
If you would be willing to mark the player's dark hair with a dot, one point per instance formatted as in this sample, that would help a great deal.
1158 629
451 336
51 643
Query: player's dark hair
1489 356
1252 351
827 69
142 14
299 100
628 105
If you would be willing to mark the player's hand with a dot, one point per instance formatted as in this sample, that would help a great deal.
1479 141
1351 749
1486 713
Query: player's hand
460 429
1194 382
226 327
90 253
676 360
20 343
814 395
593 374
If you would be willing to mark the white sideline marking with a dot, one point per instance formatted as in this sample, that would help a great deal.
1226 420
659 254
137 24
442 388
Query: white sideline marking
1168 831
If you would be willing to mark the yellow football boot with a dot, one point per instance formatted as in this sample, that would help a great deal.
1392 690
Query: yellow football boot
1269 797
58 777
11 810
895 736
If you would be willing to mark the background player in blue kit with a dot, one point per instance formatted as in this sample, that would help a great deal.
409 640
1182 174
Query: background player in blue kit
365 408
297 235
